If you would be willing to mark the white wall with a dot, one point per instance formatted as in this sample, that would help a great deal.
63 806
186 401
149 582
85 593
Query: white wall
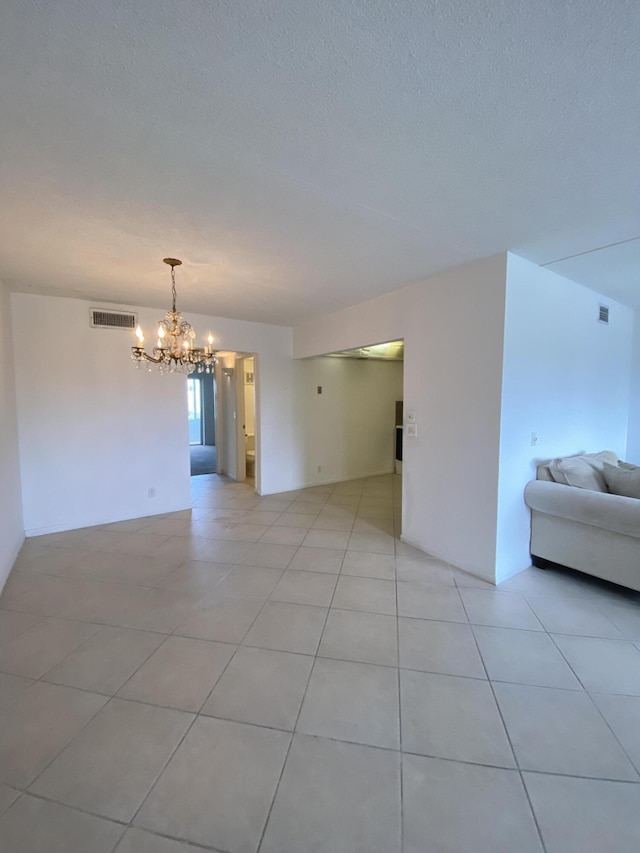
95 433
349 429
452 325
249 399
566 378
633 437
11 522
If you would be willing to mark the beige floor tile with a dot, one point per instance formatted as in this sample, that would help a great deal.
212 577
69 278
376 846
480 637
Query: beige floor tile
7 796
452 717
10 686
560 731
33 825
111 765
288 627
13 623
336 797
371 595
159 610
305 588
524 657
622 713
461 808
106 603
226 620
580 815
262 687
36 724
572 616
184 549
248 581
218 787
105 661
330 522
284 535
500 609
140 841
198 577
443 647
363 564
319 538
180 674
603 666
296 519
422 569
309 559
121 568
268 555
355 702
373 543
45 644
426 601
363 637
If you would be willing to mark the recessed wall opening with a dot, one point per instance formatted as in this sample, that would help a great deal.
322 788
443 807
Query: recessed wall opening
352 402
223 428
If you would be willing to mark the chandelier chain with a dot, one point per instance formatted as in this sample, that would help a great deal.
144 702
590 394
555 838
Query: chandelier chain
173 286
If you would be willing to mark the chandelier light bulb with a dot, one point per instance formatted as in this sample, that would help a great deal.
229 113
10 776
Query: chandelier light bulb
161 332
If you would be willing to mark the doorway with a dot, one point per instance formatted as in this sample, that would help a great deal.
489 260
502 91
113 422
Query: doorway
202 423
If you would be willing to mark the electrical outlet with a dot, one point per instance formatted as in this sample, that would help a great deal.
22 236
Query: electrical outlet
534 439
412 431
151 492
319 469
319 389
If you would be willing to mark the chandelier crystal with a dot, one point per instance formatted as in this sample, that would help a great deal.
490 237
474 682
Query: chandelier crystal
174 352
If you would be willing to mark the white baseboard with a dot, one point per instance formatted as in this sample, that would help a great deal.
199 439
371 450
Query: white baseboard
13 556
95 522
331 481
470 570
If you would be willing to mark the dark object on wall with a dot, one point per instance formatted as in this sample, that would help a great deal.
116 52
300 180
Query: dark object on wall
399 443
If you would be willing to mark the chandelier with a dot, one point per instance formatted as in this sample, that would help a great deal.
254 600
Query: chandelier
174 352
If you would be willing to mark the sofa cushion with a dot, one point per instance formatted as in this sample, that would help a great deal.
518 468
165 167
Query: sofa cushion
622 480
610 512
576 471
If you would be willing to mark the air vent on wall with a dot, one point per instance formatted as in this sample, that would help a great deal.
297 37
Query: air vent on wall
101 319
603 314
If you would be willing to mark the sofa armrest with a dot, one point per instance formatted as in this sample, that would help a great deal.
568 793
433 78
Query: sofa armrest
599 509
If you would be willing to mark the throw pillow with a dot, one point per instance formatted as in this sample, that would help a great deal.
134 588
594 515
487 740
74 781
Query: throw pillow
622 481
599 460
576 471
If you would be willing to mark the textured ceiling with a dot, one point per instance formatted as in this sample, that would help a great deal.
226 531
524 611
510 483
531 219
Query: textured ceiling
302 156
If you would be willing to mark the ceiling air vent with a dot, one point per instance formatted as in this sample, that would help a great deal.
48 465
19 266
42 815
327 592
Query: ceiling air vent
101 319
603 314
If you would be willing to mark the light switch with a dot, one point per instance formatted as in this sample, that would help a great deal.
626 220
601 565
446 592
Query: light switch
412 430
411 417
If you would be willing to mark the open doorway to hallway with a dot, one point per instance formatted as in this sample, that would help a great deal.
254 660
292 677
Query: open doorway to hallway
353 412
223 433
202 423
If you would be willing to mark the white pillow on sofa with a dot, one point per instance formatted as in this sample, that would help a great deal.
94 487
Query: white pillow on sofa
576 471
624 481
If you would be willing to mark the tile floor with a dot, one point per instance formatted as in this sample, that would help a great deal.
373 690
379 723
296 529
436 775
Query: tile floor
283 675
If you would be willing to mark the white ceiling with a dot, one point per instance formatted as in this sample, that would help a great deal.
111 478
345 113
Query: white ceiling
304 155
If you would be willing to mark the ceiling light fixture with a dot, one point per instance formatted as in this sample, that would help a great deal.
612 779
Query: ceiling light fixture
174 352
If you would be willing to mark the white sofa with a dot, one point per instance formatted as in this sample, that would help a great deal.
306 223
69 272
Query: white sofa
592 531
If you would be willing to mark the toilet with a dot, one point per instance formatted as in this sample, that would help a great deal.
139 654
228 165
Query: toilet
250 444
